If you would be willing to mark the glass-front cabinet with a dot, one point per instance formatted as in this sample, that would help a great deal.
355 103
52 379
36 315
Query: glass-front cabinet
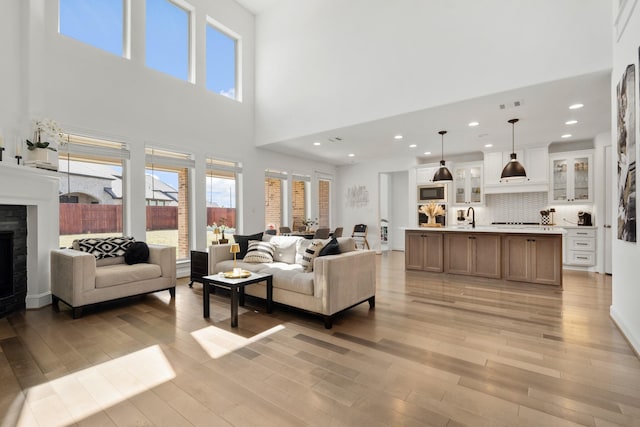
467 184
571 177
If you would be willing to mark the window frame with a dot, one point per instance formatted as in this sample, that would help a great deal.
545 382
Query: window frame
189 9
217 25
82 148
126 30
171 160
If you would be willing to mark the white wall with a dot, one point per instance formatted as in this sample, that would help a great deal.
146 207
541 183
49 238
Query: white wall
399 201
361 60
626 256
11 80
92 92
367 175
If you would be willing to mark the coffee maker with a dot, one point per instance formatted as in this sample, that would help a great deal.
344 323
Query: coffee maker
584 218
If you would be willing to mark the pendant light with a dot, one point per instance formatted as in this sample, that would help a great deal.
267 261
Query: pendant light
513 169
442 174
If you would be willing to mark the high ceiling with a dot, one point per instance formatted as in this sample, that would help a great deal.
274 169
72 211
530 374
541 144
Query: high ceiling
542 109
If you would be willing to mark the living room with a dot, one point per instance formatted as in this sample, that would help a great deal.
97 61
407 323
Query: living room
288 87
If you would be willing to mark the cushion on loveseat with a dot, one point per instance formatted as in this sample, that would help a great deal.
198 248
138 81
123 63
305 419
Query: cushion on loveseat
120 274
285 247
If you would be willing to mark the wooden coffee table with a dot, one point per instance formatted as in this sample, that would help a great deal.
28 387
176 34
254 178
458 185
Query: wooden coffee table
236 287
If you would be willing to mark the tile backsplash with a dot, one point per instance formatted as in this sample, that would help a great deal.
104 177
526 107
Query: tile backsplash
523 207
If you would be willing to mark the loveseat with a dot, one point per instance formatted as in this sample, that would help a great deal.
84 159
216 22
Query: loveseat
80 278
336 282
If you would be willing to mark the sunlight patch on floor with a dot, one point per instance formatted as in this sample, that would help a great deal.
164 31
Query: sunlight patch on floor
218 342
74 397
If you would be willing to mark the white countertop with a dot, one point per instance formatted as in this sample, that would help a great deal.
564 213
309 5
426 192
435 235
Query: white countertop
516 229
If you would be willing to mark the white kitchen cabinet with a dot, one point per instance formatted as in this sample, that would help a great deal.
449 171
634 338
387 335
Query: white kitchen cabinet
468 184
580 245
424 175
535 162
571 177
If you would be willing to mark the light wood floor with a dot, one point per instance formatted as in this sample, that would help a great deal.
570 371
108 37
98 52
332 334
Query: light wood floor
441 351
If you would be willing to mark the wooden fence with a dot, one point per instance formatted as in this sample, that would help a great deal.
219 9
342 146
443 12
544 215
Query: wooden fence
78 218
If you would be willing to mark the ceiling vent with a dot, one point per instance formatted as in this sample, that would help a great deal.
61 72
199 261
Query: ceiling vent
512 104
335 139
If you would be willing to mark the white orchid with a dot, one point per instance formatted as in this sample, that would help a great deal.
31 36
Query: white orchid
47 134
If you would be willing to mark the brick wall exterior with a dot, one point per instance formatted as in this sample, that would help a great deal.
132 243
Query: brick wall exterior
298 204
324 204
183 214
273 202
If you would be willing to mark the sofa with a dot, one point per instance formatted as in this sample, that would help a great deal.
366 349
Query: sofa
80 278
336 282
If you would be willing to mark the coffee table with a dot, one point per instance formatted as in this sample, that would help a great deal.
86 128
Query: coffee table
236 287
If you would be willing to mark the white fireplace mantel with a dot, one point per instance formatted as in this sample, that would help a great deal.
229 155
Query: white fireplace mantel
38 190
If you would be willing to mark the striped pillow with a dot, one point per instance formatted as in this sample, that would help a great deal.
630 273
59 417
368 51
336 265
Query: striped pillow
259 251
307 253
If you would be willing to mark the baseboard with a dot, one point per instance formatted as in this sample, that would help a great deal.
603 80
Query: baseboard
38 301
626 332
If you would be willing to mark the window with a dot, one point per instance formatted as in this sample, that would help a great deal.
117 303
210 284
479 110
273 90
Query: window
167 199
168 38
221 198
299 200
91 190
324 201
275 184
222 49
95 22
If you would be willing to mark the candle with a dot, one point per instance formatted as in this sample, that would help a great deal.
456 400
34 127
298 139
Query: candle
1 141
237 271
18 148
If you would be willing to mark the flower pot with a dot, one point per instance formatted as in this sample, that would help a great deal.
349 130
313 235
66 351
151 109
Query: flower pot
41 158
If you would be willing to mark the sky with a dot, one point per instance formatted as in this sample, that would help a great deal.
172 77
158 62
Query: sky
100 22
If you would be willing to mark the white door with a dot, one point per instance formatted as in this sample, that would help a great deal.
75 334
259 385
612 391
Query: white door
607 209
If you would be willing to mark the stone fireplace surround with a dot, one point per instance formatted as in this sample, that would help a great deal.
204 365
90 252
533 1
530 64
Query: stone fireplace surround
36 189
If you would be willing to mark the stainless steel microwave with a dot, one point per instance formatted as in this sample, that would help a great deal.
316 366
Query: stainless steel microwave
432 193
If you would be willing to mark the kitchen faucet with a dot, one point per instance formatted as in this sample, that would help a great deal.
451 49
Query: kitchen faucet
473 217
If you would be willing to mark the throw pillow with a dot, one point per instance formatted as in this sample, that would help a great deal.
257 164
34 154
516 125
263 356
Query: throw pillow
308 254
137 253
331 248
243 241
106 247
259 252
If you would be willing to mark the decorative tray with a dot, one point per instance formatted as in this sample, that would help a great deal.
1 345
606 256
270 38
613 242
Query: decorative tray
230 275
431 225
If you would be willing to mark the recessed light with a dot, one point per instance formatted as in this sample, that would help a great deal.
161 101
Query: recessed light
575 106
427 153
351 155
398 137
316 143
472 124
413 146
488 145
566 135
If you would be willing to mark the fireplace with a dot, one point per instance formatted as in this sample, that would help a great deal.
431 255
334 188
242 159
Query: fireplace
13 258
32 194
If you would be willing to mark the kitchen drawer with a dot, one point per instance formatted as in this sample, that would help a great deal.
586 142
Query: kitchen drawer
581 258
579 232
581 244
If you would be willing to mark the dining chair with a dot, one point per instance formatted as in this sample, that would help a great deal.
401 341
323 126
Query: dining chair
322 233
337 232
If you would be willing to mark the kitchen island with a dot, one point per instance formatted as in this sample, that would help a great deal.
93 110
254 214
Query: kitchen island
531 254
